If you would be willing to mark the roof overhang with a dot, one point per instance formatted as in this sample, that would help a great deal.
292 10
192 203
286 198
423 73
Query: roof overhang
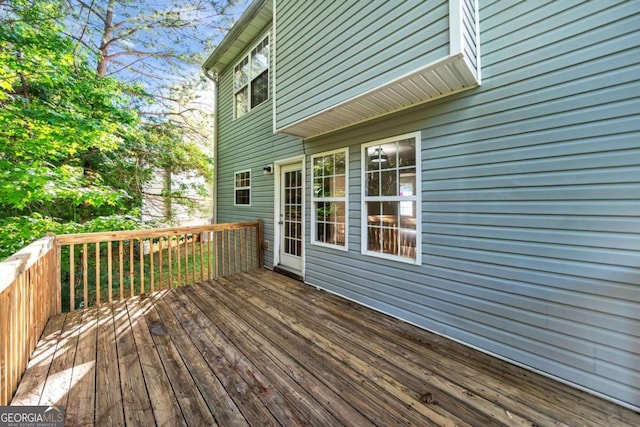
437 80
250 25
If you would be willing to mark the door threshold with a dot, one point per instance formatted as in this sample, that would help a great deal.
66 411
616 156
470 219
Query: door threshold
288 271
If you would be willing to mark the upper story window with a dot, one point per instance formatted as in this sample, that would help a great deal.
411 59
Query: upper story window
251 79
391 198
329 174
242 188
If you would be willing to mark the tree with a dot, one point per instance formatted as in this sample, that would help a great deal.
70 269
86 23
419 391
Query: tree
78 147
55 115
159 48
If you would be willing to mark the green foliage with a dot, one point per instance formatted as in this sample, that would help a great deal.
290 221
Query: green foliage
55 117
17 232
74 153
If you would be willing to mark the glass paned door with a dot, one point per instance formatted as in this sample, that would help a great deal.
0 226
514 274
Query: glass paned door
291 216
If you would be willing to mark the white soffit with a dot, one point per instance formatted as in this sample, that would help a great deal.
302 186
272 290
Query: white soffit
435 81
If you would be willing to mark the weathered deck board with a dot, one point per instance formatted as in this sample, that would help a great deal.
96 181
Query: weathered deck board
108 401
81 401
163 401
262 349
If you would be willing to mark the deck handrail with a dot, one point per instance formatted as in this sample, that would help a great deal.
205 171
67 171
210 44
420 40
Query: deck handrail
29 295
40 280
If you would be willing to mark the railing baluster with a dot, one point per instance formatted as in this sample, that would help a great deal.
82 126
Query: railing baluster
179 261
209 255
141 258
160 260
221 249
152 285
200 235
235 251
110 270
193 258
228 251
259 248
170 241
131 268
121 268
254 258
246 249
85 276
187 261
72 278
216 253
97 273
212 256
185 280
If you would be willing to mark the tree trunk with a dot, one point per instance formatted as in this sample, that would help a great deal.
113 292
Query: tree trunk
106 40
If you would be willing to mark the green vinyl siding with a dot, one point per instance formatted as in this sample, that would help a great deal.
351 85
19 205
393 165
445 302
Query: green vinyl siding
356 41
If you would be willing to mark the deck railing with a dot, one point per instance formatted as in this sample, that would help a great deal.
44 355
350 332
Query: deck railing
101 267
29 295
67 272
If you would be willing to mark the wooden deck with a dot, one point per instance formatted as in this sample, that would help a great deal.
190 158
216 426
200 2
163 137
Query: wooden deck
262 349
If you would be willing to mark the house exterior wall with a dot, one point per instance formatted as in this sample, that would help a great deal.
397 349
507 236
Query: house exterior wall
356 41
248 143
530 194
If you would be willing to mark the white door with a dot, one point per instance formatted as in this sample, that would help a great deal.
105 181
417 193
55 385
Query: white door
291 216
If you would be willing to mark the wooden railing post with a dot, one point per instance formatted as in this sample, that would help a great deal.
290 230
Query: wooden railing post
55 276
260 243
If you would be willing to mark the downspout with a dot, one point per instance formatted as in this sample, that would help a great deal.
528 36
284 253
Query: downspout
214 79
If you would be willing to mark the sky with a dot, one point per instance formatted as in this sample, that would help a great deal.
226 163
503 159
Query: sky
201 28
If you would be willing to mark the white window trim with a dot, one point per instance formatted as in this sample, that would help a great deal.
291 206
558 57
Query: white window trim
344 199
247 55
235 174
417 197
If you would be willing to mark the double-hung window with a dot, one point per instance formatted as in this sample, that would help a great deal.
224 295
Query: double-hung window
242 188
251 79
391 198
329 174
